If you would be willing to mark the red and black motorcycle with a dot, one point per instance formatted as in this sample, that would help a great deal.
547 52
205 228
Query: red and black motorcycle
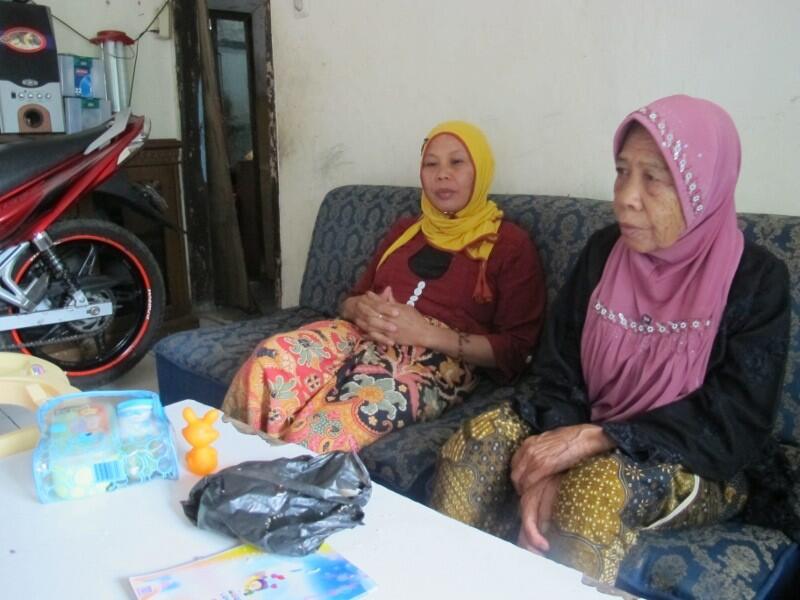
85 294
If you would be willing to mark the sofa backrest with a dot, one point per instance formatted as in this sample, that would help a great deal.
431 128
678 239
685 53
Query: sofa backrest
353 219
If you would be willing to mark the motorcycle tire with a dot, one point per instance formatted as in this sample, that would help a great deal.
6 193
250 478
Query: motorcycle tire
108 263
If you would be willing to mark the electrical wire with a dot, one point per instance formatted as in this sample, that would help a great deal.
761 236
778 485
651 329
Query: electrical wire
134 51
150 24
88 39
133 73
70 27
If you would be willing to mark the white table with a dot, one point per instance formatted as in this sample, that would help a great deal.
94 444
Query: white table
86 549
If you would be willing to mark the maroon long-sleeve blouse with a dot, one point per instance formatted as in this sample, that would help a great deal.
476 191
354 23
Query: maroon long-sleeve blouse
511 321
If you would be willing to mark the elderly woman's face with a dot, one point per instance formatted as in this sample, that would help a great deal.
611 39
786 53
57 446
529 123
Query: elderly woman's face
447 173
646 203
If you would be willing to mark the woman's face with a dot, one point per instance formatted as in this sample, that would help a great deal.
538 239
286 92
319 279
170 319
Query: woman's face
447 173
646 203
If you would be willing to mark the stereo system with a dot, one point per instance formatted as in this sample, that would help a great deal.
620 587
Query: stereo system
30 88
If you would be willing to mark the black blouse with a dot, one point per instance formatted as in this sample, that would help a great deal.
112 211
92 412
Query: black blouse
718 430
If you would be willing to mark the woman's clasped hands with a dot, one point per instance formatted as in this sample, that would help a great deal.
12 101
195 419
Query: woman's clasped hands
387 321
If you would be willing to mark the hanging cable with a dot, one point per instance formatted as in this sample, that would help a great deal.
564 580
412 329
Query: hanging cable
134 50
88 39
133 72
70 27
150 24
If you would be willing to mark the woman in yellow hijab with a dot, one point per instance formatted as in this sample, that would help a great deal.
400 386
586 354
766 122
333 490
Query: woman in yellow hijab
447 223
446 293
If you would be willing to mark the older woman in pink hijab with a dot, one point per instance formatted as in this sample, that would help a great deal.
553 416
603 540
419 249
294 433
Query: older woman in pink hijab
660 368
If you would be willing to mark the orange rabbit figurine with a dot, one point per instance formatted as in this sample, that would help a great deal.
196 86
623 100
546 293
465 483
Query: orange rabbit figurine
200 433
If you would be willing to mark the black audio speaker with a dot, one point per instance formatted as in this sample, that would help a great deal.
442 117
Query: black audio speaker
30 91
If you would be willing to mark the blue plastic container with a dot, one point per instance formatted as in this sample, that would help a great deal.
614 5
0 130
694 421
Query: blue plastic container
93 442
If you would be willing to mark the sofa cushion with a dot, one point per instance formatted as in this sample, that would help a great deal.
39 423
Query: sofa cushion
781 236
728 560
200 363
351 222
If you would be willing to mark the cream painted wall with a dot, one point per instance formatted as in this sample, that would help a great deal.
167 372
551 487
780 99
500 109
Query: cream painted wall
155 91
359 83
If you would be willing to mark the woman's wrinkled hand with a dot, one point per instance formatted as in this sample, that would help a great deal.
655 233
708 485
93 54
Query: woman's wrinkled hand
555 451
536 510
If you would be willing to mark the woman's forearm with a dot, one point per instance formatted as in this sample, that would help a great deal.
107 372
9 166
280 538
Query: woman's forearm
472 348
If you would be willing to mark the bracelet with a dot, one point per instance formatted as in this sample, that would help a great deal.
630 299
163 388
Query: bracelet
463 337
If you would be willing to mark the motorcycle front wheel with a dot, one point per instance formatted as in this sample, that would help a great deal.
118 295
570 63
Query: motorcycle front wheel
107 263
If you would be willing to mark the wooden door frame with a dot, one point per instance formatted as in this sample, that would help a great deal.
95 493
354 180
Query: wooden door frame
195 189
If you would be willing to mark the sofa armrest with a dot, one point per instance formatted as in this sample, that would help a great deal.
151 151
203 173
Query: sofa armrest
200 363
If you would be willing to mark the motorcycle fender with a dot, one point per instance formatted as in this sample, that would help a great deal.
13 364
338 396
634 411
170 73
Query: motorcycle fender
141 198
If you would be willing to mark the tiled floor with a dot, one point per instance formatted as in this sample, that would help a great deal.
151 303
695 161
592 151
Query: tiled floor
141 377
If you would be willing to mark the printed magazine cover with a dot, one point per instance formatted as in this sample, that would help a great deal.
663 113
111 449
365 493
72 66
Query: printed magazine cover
247 573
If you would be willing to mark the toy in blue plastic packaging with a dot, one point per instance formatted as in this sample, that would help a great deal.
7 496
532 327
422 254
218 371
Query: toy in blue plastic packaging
94 442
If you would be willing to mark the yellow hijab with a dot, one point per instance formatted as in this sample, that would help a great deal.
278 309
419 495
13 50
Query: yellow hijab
473 229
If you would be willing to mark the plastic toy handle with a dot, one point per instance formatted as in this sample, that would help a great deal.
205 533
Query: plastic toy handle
37 394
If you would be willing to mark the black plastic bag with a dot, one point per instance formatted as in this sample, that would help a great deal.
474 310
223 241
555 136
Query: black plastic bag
286 506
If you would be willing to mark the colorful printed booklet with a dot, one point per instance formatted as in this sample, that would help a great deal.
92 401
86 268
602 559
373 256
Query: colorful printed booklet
247 573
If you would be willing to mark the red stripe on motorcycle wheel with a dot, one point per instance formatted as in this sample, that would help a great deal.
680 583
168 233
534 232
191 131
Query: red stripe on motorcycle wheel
18 340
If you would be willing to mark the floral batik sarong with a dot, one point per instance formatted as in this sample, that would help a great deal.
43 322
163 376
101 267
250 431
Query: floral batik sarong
328 388
602 505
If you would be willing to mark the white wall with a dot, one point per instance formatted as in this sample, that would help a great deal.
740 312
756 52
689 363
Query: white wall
359 83
155 92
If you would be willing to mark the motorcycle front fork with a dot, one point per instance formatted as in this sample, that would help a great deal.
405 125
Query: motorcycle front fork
28 299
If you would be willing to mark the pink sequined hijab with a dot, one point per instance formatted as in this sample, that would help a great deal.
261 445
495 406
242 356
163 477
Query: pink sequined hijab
653 317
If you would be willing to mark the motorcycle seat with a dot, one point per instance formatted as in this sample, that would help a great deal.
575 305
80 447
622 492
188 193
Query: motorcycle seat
25 159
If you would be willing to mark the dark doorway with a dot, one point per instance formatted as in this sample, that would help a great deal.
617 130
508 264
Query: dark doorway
234 52
233 48
242 40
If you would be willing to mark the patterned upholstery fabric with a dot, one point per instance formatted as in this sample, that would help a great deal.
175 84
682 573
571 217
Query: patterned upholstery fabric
215 353
350 224
729 560
781 236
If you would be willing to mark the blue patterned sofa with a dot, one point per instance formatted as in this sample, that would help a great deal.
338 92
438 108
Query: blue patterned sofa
731 560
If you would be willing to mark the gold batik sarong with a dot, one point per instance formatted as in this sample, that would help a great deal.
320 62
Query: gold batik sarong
602 503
